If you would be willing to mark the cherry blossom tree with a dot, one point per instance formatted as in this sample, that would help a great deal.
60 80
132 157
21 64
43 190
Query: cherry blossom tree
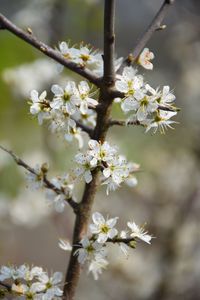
76 109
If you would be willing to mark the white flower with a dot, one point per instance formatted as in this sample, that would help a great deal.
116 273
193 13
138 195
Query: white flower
138 232
63 98
131 85
166 96
67 52
85 168
111 185
50 285
74 132
104 229
97 265
161 121
88 118
117 169
7 273
39 106
89 249
59 201
36 180
146 105
86 56
145 59
83 97
65 245
30 291
100 152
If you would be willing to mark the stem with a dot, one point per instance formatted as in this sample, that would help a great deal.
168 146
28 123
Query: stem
48 184
153 26
109 41
48 51
103 115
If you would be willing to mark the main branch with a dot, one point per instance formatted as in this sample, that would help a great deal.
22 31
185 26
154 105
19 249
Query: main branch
100 131
48 51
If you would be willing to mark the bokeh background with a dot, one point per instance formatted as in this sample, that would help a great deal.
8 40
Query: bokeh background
167 197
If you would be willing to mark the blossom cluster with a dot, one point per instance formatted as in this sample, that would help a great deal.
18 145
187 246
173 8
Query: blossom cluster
114 167
93 249
31 283
85 56
153 108
114 170
68 105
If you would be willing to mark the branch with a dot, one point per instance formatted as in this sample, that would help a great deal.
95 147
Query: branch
126 241
85 128
155 25
123 123
47 183
5 285
99 134
45 49
109 42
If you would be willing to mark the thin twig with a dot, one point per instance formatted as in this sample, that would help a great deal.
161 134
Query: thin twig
155 25
85 128
123 123
126 241
48 184
45 49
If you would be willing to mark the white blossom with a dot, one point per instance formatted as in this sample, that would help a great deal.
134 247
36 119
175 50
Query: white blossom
35 181
63 97
102 228
131 85
84 97
32 283
88 250
97 265
161 121
39 105
100 152
138 232
67 52
166 97
50 285
86 56
117 170
84 169
88 119
74 132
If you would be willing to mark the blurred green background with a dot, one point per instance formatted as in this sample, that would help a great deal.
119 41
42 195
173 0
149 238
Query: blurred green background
168 194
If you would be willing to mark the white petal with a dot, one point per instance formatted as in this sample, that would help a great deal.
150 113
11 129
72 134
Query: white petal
57 90
112 233
102 238
111 222
97 218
